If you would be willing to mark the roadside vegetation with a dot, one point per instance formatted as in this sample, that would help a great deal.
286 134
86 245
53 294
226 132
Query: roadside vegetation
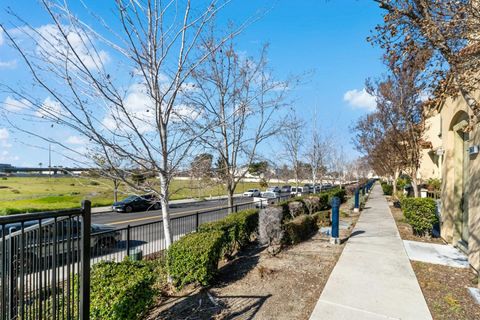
30 194
200 260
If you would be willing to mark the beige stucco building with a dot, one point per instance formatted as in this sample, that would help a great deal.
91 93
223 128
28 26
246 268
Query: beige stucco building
451 154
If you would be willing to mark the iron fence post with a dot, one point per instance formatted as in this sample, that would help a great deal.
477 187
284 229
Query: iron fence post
236 208
128 241
12 278
85 263
196 221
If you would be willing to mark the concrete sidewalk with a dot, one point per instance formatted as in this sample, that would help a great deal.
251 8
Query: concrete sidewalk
373 278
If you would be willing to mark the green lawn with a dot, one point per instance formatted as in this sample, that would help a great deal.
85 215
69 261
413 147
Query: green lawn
28 194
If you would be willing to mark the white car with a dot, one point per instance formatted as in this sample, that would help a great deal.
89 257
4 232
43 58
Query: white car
266 198
297 191
252 193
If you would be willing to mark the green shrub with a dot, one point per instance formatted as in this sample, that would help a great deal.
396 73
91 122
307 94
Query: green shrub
237 228
337 192
299 229
322 218
420 214
324 204
194 257
122 290
387 189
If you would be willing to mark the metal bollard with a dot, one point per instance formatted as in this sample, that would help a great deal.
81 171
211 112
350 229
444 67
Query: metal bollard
357 201
335 220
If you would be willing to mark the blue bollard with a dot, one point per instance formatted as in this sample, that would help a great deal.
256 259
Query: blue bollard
335 220
357 201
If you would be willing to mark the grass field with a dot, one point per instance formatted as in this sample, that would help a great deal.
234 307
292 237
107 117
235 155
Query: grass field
29 194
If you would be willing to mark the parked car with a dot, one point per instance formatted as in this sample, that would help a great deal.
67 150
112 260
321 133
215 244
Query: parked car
266 198
296 191
67 234
286 189
137 203
252 193
308 188
326 186
275 189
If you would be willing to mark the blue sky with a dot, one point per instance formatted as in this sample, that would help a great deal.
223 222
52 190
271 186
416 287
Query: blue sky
326 39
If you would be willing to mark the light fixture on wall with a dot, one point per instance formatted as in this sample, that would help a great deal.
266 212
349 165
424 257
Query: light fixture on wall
473 150
440 151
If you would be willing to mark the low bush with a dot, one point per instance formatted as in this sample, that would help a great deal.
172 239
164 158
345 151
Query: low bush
122 290
420 213
194 257
322 218
337 192
237 228
387 189
299 229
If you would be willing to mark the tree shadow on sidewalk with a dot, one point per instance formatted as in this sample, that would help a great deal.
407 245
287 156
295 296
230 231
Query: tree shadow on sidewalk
204 305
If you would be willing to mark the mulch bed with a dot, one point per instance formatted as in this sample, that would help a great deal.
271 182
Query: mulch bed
256 285
444 288
445 291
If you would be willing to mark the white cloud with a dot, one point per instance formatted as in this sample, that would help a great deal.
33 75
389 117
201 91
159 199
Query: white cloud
4 136
12 64
139 106
360 99
76 140
14 105
50 109
50 44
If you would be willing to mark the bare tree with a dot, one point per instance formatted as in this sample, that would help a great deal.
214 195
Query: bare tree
318 153
448 30
292 140
133 110
239 99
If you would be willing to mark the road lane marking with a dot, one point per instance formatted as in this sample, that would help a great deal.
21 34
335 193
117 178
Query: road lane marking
175 213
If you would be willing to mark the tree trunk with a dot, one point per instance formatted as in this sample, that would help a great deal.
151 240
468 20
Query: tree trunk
415 187
230 192
115 190
395 178
165 214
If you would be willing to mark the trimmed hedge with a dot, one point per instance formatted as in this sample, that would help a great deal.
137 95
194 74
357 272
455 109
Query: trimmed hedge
194 257
337 192
420 213
387 189
237 228
122 290
299 229
323 218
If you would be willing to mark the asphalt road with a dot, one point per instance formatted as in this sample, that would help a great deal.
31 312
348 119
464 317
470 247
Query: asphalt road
121 220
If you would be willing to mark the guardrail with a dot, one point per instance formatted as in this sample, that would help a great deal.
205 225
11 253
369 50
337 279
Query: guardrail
46 257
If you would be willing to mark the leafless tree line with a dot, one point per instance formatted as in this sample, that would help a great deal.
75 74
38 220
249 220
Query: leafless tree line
145 89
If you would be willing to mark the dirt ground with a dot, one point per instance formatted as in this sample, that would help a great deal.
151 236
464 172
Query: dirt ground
256 285
444 288
445 291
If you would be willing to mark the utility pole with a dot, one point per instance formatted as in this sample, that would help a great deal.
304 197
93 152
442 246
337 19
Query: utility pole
49 160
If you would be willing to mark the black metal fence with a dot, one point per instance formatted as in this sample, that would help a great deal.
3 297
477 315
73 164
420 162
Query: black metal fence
46 257
148 239
45 265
